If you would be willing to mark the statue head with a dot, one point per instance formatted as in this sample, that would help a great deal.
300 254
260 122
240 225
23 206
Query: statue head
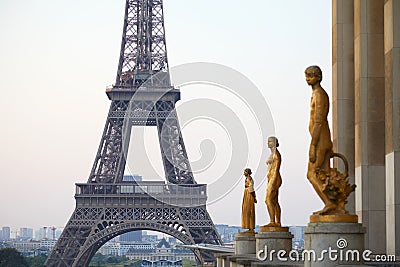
273 142
313 74
247 171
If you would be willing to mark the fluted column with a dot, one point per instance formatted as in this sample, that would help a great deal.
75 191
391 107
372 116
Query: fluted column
392 122
343 86
369 79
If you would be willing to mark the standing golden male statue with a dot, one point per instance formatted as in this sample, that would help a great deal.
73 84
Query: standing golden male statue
274 182
331 186
249 199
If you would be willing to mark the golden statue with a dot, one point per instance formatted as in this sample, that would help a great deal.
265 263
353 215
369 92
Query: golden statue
274 182
249 199
331 186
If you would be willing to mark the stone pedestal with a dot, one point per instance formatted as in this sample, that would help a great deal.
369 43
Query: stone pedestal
273 238
333 243
245 243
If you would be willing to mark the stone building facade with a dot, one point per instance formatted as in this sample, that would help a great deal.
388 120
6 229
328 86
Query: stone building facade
163 251
366 112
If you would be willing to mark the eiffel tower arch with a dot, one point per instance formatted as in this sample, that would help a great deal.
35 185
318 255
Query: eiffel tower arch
107 206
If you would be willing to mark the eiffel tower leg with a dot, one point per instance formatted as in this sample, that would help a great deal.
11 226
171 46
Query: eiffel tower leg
110 159
173 151
201 228
178 171
68 245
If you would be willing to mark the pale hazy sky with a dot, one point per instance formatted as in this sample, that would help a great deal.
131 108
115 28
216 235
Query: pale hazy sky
57 57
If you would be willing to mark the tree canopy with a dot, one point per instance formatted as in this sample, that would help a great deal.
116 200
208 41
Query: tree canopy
10 257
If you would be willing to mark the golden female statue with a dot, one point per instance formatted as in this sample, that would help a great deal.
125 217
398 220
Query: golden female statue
274 182
249 199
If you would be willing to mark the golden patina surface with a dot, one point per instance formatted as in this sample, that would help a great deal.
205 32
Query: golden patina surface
267 228
334 218
331 185
274 182
249 199
247 233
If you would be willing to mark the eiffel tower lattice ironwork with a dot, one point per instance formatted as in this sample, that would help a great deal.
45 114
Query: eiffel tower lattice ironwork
107 206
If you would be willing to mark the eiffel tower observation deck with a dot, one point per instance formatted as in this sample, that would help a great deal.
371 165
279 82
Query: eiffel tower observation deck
107 206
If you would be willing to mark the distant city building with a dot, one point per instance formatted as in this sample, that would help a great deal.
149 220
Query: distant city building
36 235
122 248
297 231
27 248
47 243
47 233
33 247
52 233
149 238
141 245
172 240
25 233
6 233
111 248
163 252
41 233
135 236
58 233
160 263
125 247
298 236
227 232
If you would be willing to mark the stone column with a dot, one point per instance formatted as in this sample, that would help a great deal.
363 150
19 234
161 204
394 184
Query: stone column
369 99
343 86
392 121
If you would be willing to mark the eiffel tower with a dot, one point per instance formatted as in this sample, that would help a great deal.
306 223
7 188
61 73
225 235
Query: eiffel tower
108 206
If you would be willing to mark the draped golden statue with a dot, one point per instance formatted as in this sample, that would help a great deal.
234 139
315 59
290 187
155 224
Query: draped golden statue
274 182
331 186
249 199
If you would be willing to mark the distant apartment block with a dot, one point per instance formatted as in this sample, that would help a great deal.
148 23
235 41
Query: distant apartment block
298 236
162 252
33 247
26 233
227 232
6 233
135 236
122 248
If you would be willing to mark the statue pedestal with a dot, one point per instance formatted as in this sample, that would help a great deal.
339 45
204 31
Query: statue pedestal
273 238
333 243
245 243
